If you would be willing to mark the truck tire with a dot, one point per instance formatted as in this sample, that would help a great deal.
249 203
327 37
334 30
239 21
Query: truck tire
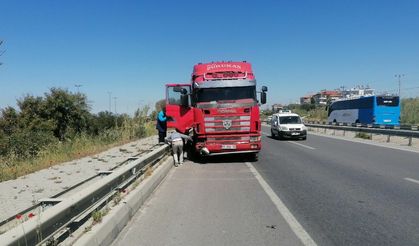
254 157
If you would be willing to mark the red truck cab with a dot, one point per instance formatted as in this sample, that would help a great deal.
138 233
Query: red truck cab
219 108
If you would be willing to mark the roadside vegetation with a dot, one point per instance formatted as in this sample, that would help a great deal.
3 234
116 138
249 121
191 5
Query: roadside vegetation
310 112
410 111
58 127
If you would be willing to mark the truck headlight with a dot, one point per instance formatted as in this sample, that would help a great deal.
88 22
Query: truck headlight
283 128
255 139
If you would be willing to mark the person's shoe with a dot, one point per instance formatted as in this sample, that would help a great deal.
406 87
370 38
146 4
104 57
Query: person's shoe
176 164
180 164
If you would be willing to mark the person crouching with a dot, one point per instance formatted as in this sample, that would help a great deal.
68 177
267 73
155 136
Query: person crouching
176 140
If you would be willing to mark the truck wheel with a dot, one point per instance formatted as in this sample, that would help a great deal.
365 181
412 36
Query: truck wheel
195 156
254 157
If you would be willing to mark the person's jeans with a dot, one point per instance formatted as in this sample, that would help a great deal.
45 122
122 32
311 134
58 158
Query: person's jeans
177 148
162 136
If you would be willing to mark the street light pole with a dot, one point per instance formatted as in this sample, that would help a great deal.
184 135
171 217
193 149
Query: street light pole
399 77
110 101
114 98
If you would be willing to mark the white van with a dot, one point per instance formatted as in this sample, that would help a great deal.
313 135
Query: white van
288 125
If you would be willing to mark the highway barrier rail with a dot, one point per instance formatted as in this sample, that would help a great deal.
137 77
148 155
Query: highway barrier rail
410 134
66 215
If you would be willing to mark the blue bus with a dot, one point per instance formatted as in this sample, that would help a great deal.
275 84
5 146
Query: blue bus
376 110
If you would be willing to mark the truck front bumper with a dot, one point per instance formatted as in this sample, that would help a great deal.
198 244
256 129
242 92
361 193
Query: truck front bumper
216 148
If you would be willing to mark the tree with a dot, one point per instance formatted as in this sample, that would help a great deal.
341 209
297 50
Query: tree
69 112
160 104
8 121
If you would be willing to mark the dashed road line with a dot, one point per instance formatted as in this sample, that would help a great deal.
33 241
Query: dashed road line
295 226
412 180
302 145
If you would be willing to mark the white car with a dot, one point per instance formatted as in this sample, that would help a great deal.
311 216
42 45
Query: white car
288 125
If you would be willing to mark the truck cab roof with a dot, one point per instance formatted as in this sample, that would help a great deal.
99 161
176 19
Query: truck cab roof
222 70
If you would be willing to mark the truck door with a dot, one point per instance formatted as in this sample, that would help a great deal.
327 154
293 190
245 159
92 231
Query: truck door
179 117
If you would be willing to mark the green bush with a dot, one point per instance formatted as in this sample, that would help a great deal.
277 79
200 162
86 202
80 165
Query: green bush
59 127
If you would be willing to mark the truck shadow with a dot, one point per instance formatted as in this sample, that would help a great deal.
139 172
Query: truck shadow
233 158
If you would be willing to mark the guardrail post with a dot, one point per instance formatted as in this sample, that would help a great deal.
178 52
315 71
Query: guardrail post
388 138
410 141
344 132
325 130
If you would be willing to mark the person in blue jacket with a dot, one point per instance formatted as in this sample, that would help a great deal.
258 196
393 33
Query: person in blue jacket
161 125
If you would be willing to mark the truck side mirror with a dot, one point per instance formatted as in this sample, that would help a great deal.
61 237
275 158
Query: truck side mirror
263 97
184 100
183 91
264 88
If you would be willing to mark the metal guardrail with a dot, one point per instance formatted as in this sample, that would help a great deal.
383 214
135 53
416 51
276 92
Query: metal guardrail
401 127
389 132
60 216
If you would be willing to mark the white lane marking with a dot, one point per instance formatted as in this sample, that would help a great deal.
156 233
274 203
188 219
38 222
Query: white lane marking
412 180
378 144
295 226
302 145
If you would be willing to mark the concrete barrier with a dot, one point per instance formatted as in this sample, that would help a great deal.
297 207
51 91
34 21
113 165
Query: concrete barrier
60 215
112 224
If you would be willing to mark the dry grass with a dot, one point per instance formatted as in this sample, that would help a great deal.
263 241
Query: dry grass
82 146
148 171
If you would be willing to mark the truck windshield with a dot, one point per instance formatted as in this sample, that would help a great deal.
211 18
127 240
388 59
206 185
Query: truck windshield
226 94
290 120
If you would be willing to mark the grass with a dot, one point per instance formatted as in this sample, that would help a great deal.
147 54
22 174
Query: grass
117 198
410 111
12 167
363 135
97 216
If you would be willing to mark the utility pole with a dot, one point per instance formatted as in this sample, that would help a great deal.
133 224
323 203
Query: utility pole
399 77
1 51
114 98
110 101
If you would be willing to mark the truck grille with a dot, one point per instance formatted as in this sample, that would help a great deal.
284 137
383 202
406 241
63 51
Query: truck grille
227 123
295 129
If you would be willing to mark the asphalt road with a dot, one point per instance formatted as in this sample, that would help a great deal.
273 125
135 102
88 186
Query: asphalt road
340 192
346 193
216 203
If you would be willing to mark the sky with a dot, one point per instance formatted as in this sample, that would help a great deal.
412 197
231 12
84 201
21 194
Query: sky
128 50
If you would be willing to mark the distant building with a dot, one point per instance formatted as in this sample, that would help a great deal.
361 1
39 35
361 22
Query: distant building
322 97
356 92
276 107
306 99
